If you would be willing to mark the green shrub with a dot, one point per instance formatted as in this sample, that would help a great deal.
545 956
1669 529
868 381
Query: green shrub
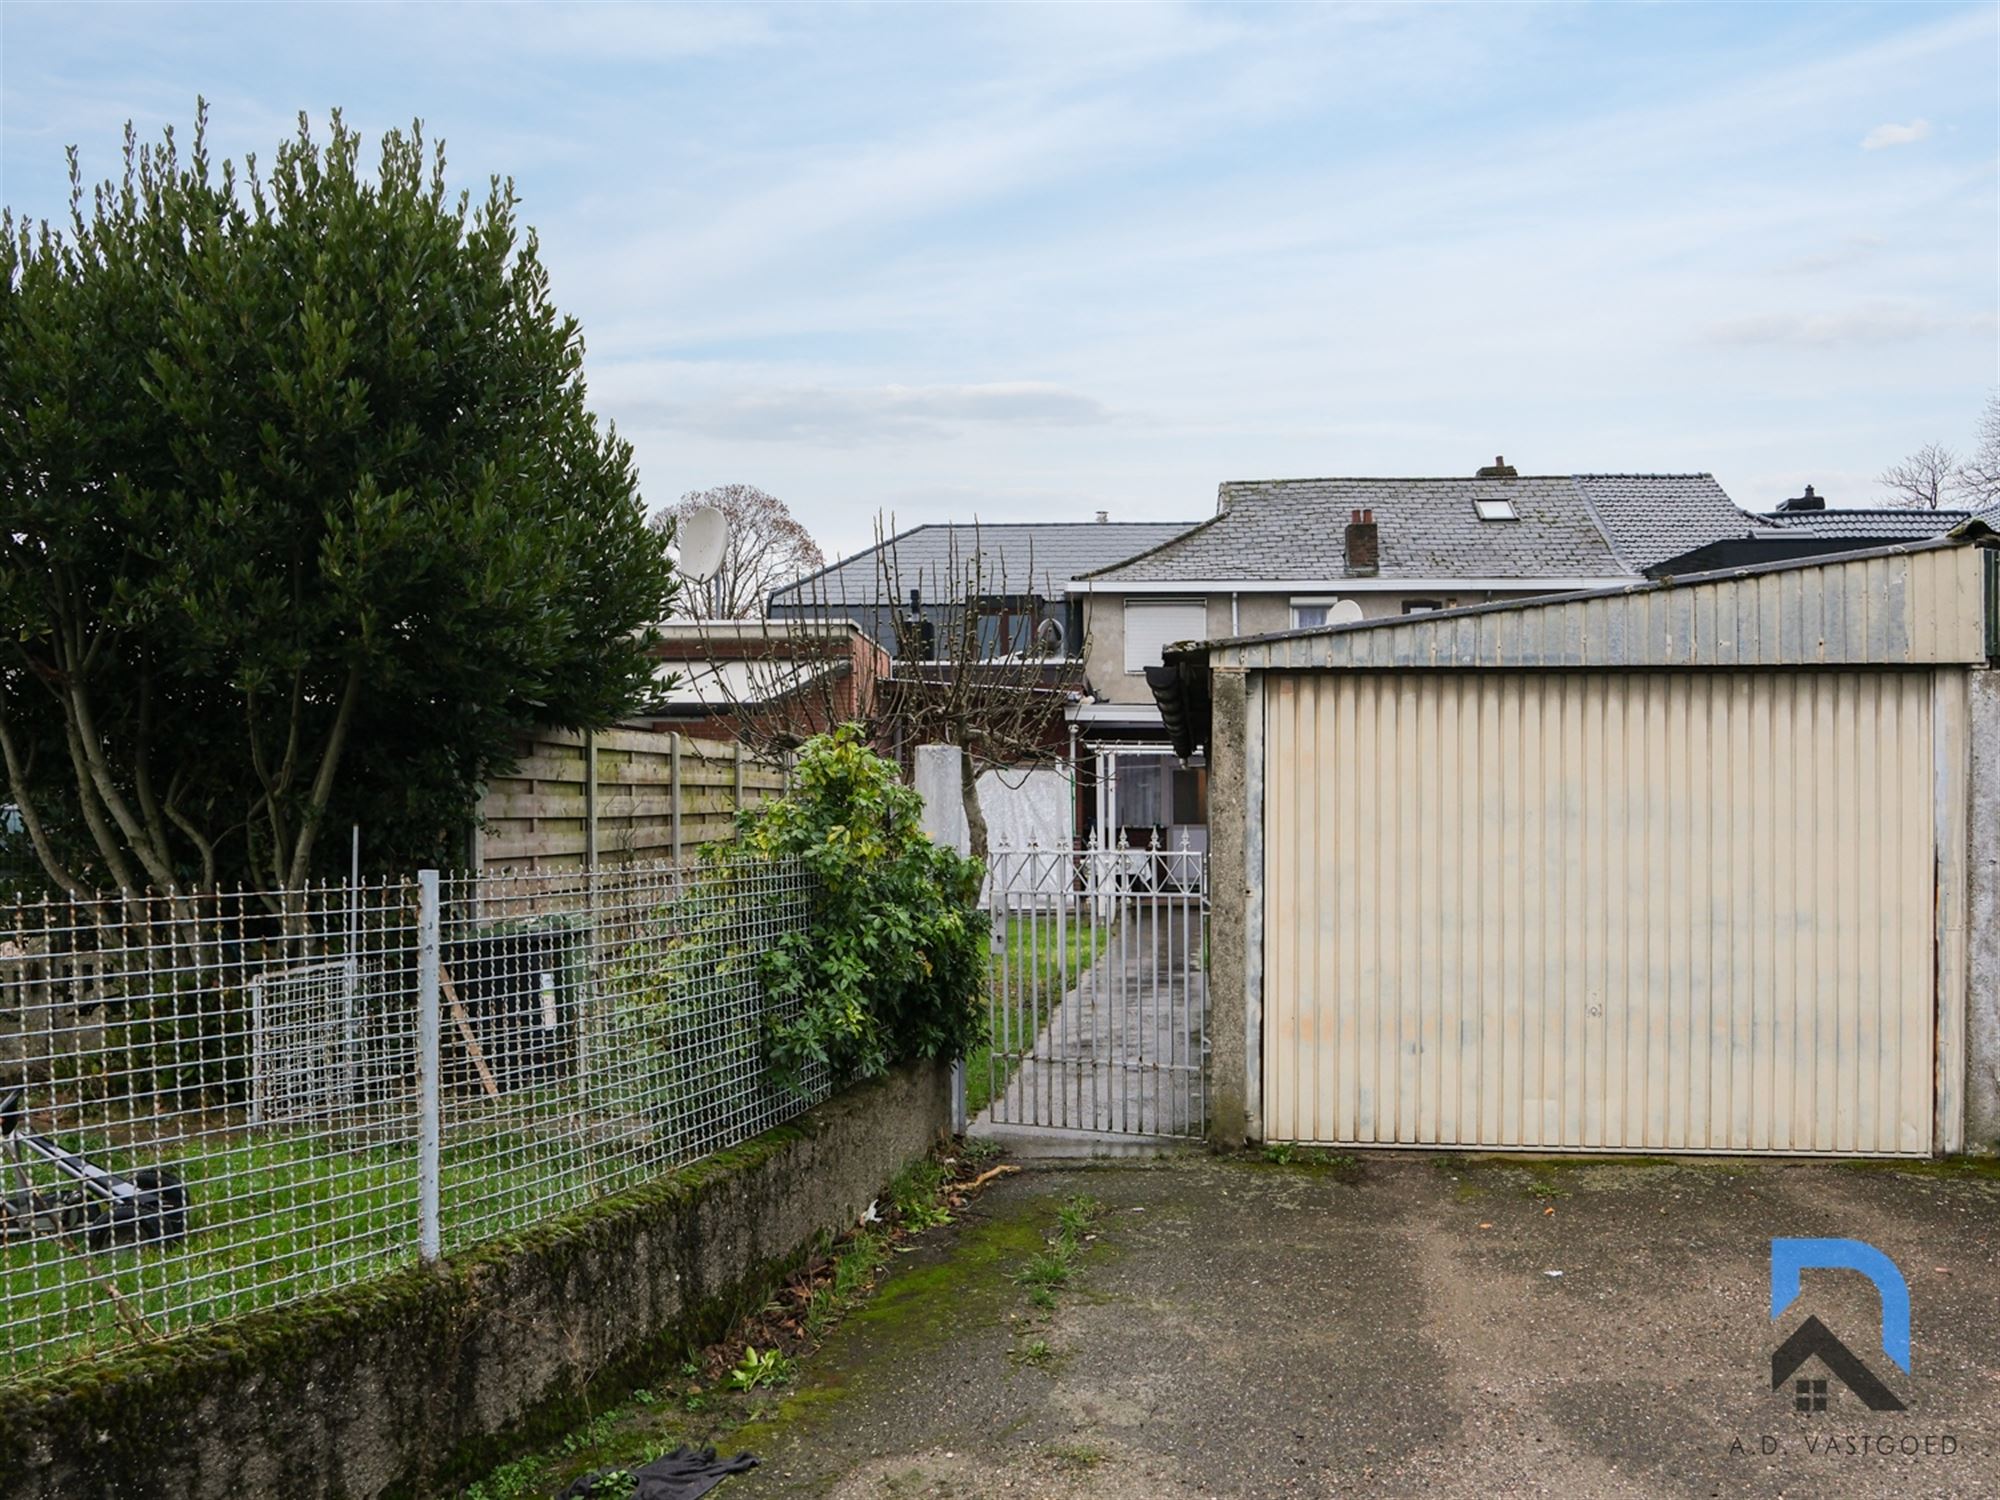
891 967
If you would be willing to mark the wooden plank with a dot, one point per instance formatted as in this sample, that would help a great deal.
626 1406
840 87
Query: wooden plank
464 1024
610 809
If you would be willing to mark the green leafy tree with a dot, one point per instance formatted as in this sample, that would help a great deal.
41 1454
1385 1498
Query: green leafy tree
892 965
306 515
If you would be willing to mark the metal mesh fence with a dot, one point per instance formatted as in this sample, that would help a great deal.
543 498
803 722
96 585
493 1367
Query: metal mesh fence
220 1102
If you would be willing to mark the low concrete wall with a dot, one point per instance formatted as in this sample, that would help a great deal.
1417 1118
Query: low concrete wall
433 1374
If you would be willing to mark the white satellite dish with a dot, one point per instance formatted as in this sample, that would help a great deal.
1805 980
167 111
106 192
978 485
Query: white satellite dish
702 535
1346 612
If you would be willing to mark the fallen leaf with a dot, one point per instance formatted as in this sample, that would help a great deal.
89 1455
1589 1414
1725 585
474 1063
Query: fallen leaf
1548 1211
1487 1225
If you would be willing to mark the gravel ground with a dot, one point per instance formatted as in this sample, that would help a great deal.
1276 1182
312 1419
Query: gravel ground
1239 1327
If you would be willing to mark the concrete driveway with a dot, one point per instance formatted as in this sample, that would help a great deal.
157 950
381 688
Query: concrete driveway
1240 1327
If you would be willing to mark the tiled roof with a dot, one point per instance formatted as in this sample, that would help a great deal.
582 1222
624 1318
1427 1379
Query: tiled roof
1651 517
1032 557
1883 525
1568 527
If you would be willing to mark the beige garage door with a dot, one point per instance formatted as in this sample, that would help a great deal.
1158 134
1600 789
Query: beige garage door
1649 912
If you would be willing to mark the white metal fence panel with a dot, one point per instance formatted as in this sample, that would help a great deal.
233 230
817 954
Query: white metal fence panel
1098 993
598 1030
1650 911
215 1103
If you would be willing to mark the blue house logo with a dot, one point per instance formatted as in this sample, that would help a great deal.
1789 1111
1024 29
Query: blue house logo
1814 1340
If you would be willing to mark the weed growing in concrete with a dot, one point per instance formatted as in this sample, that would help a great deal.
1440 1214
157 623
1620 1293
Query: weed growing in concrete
1046 1268
1338 1163
1076 1458
1077 1214
915 1194
977 1153
757 1370
1049 1269
1035 1352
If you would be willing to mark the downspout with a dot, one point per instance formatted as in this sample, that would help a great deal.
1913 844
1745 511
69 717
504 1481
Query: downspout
1075 802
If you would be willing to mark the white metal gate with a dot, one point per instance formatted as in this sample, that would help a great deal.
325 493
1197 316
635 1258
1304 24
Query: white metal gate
1656 911
1098 995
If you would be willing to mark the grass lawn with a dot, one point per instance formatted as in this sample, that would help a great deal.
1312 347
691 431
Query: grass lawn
1036 974
276 1214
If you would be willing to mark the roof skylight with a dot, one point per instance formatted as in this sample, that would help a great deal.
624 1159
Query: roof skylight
1495 510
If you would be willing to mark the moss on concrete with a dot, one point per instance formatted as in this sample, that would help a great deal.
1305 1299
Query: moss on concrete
407 1360
1944 1169
966 1283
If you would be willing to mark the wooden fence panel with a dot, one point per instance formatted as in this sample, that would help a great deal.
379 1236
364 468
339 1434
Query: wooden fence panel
648 796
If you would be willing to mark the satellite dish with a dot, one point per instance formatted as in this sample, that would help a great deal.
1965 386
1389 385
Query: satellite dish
1049 637
703 536
1346 612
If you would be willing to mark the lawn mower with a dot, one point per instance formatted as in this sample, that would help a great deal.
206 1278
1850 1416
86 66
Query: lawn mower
148 1207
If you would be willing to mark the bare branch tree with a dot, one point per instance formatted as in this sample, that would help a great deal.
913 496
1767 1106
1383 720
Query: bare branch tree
980 663
767 549
1922 480
1979 476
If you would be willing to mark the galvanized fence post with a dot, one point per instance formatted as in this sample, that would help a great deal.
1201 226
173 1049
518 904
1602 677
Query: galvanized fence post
430 1238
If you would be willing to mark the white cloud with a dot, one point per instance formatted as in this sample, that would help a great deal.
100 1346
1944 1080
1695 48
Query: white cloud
837 416
1849 250
1880 323
1892 134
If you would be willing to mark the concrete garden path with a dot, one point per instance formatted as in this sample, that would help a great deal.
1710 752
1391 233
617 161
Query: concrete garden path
1122 1051
1244 1328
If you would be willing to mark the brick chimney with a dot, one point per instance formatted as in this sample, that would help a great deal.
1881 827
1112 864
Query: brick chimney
1364 550
1498 469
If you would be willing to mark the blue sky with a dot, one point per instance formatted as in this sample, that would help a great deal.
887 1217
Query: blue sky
1035 262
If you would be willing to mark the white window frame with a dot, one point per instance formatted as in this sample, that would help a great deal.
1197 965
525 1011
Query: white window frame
1319 601
1323 602
1503 509
1200 631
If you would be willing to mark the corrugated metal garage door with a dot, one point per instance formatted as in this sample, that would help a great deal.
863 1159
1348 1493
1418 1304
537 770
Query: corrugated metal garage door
1660 911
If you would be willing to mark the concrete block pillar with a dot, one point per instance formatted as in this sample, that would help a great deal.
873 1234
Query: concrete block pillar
1234 874
944 803
937 768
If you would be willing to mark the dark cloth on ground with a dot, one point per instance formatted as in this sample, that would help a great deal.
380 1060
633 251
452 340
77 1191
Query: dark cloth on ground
684 1474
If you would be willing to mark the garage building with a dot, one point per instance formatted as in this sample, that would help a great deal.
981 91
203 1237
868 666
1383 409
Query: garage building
1707 864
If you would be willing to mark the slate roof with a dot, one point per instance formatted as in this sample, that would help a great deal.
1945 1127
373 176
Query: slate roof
1583 526
1022 557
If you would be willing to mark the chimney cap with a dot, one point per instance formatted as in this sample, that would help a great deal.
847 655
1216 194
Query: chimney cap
1807 501
1103 516
1498 469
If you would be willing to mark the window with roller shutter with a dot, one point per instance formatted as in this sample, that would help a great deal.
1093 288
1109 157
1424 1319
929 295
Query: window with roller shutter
1151 625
